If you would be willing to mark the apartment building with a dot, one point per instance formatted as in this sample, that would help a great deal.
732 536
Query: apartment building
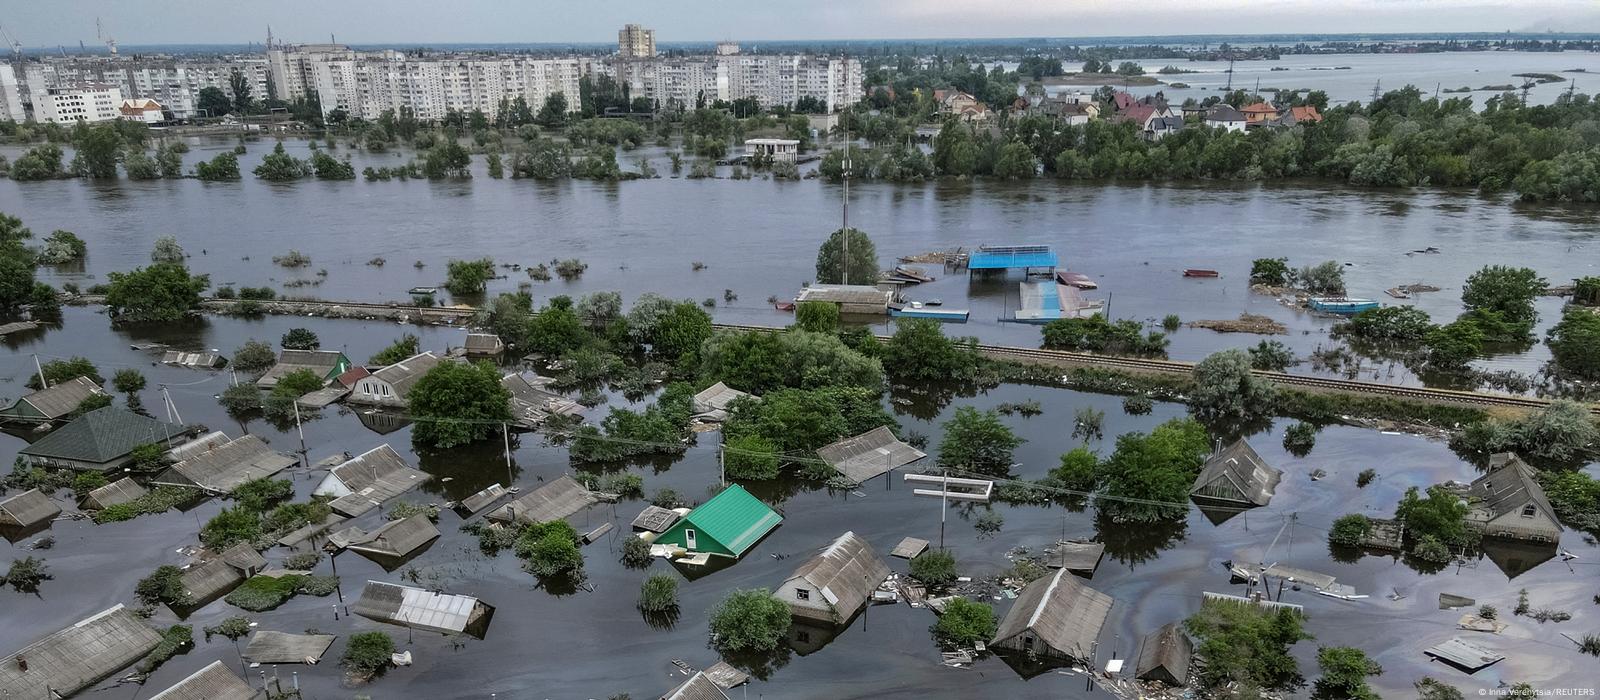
634 41
85 102
11 104
173 82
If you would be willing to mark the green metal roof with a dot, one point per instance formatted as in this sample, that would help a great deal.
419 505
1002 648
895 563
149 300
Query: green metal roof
101 436
734 518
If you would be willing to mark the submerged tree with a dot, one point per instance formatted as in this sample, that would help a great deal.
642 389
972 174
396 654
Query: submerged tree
863 263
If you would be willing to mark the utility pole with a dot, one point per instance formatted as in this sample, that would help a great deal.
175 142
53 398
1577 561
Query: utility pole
505 436
1375 87
43 383
302 432
944 498
844 225
722 460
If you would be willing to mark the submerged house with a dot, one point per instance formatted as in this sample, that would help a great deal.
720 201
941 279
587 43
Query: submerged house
225 467
698 687
1054 617
389 386
215 577
1236 476
531 405
850 298
214 682
483 345
423 609
870 454
193 360
831 586
27 509
711 405
100 440
1509 503
555 500
52 403
361 483
326 364
728 525
116 493
270 647
397 540
77 656
1164 656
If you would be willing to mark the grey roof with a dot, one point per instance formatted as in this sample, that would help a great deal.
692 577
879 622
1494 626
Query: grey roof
198 445
655 519
1174 123
483 343
1224 112
78 656
698 687
214 682
1065 614
845 294
1463 653
553 501
397 538
869 454
1237 475
1509 485
909 548
716 397
322 397
17 326
1076 557
403 374
1164 655
124 490
269 647
532 404
27 509
319 361
217 575
420 608
193 359
482 499
375 476
845 572
725 675
226 467
101 436
61 399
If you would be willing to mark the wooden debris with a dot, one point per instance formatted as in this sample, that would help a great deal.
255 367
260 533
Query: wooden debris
1246 323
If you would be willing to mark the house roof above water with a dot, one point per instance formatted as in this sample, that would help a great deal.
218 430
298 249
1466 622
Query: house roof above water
101 436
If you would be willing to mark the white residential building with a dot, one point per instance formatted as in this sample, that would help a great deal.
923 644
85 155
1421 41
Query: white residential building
11 106
173 82
87 102
634 41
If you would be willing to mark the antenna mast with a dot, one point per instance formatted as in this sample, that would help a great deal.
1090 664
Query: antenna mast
844 226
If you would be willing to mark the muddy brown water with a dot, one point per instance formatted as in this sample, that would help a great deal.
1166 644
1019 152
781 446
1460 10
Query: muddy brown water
586 644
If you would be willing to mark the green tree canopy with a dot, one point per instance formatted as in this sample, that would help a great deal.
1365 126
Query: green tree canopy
863 265
160 292
920 351
816 316
749 620
977 441
965 623
468 276
1246 647
58 371
457 403
761 362
1160 466
1507 291
1226 390
1575 344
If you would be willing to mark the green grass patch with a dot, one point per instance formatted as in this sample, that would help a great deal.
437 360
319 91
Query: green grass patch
262 593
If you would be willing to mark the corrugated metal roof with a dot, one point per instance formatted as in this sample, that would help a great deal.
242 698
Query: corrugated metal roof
909 548
845 294
1075 556
193 359
655 519
102 435
61 399
77 657
716 397
269 647
734 518
482 499
214 682
403 374
215 576
198 445
1237 475
398 538
553 501
28 508
124 490
869 454
845 572
1011 256
1164 655
226 467
1064 613
419 608
320 362
375 476
1464 654
698 687
483 344
532 404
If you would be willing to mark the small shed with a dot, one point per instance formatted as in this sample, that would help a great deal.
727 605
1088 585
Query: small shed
196 360
326 364
483 345
397 539
423 609
870 454
1055 617
1464 655
27 509
368 479
555 500
1012 257
532 404
124 490
78 656
909 548
1236 475
1164 656
655 519
698 687
728 525
100 440
214 682
1076 556
225 467
831 586
471 505
269 647
712 403
851 298
214 577
52 403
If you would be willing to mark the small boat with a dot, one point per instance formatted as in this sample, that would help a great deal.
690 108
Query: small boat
1076 279
1197 272
1397 293
933 302
429 291
1342 305
783 305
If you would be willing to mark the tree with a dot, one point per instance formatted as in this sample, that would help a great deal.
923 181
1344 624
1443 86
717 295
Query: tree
230 527
1344 673
447 159
1226 390
1298 439
679 335
965 623
98 148
128 380
406 346
39 163
1431 689
863 264
1388 324
1323 278
1148 470
300 339
1452 346
368 653
1442 516
161 292
1271 355
327 167
1016 162
749 620
140 166
751 457
213 102
977 442
816 316
166 250
1507 291
279 166
555 330
254 356
1575 344
935 568
58 371
16 265
1095 334
1350 530
762 362
456 403
1245 646
919 350
62 247
239 85
221 168
468 276
550 550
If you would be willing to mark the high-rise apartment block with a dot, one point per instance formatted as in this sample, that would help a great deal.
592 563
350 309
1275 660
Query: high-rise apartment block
634 41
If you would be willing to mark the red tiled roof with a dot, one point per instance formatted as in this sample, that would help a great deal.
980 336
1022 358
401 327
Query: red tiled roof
1307 113
352 375
1260 108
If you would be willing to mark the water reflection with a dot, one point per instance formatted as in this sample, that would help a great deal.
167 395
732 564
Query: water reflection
1136 544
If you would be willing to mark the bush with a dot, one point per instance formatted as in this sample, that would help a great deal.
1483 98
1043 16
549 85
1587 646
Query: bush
1575 344
58 371
161 586
234 628
659 593
1488 612
262 593
177 639
1138 405
978 442
636 553
300 339
230 527
1095 334
1298 439
368 653
259 495
84 482
1344 673
1271 355
254 356
302 561
667 498
1246 647
128 380
749 620
751 457
965 623
935 568
405 347
1273 272
1365 477
550 549
1350 530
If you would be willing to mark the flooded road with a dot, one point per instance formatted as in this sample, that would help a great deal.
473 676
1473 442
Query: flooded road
586 644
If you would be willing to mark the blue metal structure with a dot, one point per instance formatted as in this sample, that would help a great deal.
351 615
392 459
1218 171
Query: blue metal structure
1012 257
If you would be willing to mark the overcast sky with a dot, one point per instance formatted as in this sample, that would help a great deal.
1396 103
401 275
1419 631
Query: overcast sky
38 23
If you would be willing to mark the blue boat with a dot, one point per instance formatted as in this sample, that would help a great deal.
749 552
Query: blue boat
921 310
1342 305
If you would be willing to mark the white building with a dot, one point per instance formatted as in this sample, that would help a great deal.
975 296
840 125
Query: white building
634 41
774 150
11 106
87 102
142 109
175 83
727 48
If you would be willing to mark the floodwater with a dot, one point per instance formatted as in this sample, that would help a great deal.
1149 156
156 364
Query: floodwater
585 644
758 239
